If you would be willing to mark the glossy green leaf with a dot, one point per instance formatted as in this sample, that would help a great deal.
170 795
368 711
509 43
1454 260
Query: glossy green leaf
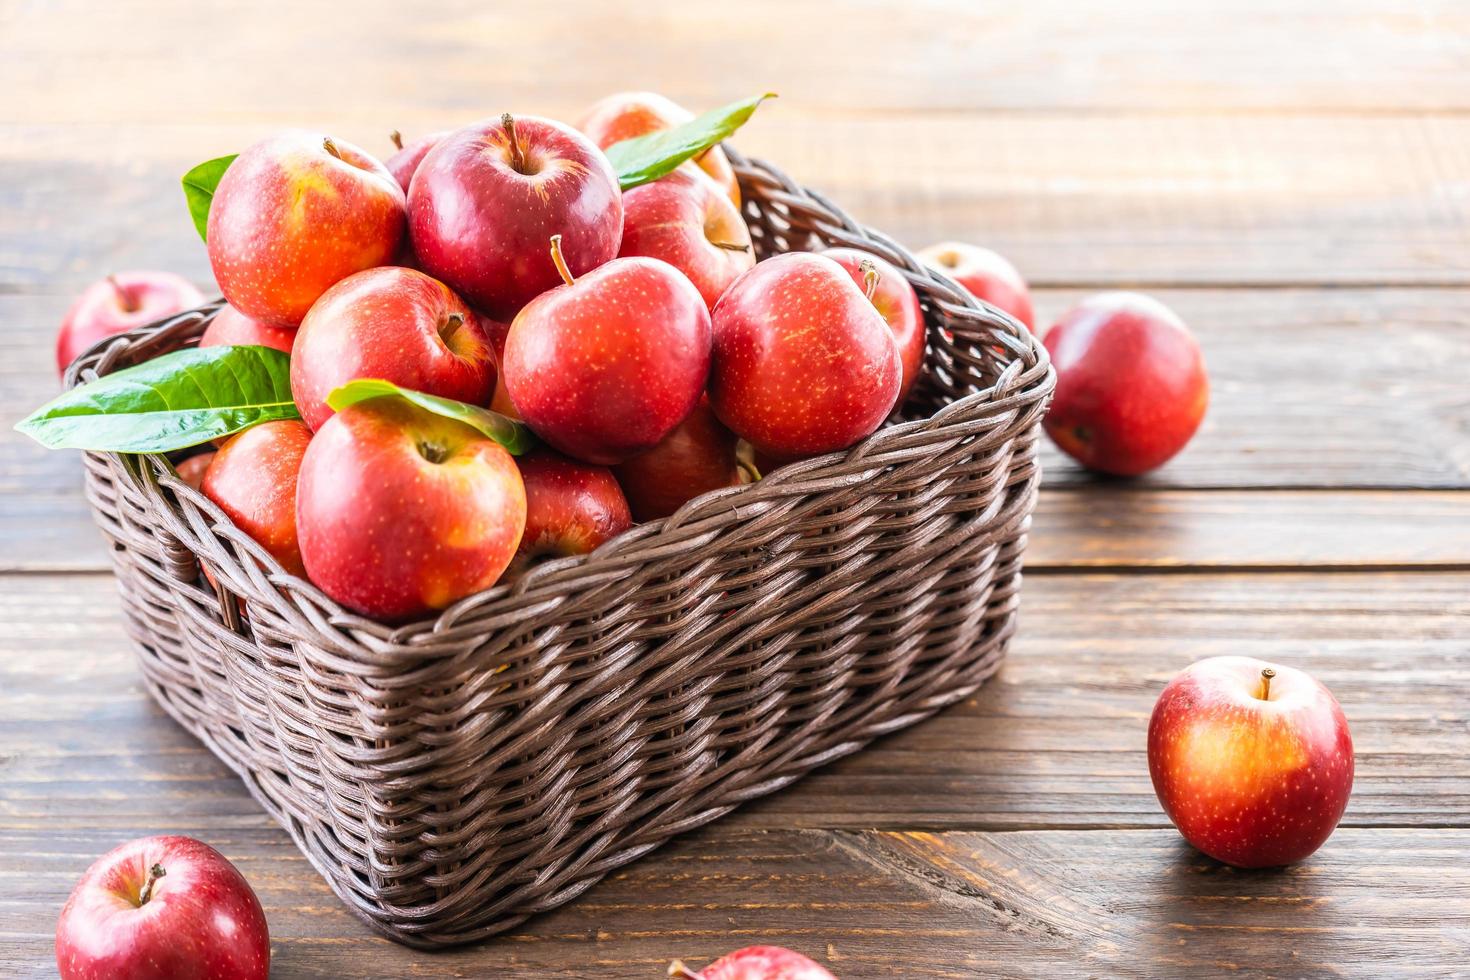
513 435
171 402
644 159
199 185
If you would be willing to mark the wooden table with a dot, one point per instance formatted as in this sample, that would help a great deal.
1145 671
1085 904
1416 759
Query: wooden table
1293 177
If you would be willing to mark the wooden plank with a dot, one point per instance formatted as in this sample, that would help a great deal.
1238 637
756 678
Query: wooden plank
1344 422
1056 740
875 904
1115 527
236 62
1072 198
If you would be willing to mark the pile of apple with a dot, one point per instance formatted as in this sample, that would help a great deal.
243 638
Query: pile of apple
500 265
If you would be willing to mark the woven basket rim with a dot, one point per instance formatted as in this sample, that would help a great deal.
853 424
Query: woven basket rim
1029 378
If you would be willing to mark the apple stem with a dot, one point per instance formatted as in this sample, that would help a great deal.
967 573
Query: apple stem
681 972
517 155
452 323
561 261
154 873
870 277
397 139
731 246
123 296
1266 675
330 146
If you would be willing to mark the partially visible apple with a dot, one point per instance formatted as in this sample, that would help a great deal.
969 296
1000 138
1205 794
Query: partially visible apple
605 366
755 963
697 457
898 304
624 115
295 214
685 220
1252 761
400 511
571 507
1131 384
231 327
253 479
803 363
116 305
164 907
486 199
403 163
986 274
395 324
192 470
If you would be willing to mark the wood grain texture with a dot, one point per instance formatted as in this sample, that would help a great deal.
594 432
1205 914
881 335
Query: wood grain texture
1113 199
1055 740
239 60
877 904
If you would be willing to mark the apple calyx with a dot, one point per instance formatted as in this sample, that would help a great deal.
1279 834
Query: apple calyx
560 261
154 873
1266 674
681 972
517 155
397 139
330 145
124 296
871 275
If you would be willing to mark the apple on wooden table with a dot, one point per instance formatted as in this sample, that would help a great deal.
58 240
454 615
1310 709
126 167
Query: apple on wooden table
163 907
755 963
116 305
1131 383
1252 761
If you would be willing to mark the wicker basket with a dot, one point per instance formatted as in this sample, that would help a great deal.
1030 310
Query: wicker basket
451 778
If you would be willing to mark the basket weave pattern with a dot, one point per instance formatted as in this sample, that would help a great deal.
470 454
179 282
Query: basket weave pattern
453 777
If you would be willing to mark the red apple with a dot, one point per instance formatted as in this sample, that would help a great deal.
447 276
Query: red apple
605 366
485 201
401 512
295 214
1131 385
803 363
755 963
1251 760
192 470
898 304
231 327
624 115
395 324
405 162
116 305
571 507
986 274
163 907
697 457
253 480
685 220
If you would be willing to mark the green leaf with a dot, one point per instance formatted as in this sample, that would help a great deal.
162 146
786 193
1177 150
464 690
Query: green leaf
513 435
644 159
171 402
199 185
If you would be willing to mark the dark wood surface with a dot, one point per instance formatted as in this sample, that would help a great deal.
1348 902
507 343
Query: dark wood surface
1291 177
